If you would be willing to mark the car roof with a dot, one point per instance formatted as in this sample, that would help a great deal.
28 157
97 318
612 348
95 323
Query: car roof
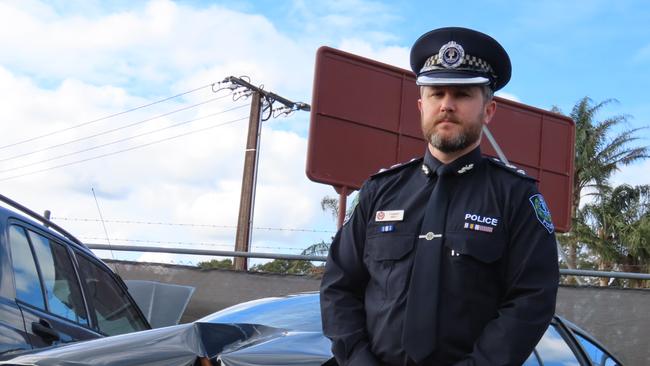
12 210
300 312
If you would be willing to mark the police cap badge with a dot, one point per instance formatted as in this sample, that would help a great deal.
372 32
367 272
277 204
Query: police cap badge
454 56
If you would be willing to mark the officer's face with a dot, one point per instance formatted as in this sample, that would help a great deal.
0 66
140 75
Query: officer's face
452 116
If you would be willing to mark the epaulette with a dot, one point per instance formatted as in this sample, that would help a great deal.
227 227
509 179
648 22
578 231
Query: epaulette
396 167
511 168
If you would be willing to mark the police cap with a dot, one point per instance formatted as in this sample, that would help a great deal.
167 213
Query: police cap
453 56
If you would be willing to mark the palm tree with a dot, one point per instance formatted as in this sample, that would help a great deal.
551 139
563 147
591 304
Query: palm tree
330 204
617 226
599 153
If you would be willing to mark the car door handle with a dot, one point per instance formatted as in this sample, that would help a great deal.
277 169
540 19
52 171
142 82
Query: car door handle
45 331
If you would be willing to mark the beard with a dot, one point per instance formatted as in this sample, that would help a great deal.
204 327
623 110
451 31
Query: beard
470 133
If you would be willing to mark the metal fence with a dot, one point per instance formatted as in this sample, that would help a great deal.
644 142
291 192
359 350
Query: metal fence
317 258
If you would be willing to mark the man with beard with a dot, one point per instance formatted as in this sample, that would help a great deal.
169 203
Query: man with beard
449 259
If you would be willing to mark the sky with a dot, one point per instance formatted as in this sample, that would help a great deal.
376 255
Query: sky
169 173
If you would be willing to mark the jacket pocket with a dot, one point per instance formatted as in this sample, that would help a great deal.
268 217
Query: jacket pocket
473 267
389 246
388 259
483 248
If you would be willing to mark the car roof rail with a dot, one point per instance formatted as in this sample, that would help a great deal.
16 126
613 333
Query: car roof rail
40 218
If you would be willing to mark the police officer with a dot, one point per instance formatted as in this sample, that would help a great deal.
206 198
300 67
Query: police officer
449 259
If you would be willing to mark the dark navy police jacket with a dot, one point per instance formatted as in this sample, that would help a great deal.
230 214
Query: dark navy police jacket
498 276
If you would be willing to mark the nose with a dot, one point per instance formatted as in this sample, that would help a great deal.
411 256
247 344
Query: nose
447 103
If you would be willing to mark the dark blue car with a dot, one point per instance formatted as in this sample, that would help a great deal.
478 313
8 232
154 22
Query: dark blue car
53 289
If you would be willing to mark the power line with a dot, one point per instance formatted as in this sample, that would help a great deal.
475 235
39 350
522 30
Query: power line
161 223
113 129
124 150
107 117
122 140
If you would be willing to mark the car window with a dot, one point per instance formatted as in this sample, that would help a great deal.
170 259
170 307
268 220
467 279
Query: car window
595 353
553 351
28 284
114 311
62 290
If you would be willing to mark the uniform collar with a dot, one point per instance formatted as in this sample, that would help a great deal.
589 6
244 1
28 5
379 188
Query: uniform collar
460 166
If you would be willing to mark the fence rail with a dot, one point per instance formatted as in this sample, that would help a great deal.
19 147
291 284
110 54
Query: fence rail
317 258
210 252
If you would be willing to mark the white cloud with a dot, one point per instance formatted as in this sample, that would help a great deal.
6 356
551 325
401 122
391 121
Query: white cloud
66 69
392 55
162 43
329 21
634 174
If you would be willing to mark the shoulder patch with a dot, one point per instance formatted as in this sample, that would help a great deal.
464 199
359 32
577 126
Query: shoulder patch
542 212
510 168
396 168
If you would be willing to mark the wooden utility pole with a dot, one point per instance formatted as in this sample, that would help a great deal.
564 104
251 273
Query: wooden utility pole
247 198
343 200
249 180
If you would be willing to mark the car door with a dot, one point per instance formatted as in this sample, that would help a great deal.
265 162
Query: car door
47 288
13 336
112 309
555 349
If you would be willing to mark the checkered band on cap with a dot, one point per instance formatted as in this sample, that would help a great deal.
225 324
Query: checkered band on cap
469 63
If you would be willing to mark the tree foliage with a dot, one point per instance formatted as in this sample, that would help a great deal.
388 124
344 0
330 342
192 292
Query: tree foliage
216 264
330 204
286 266
321 248
616 225
599 152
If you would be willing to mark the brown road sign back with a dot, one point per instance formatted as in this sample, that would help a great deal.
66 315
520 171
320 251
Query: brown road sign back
364 117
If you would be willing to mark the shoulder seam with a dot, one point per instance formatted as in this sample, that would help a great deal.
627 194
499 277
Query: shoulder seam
395 168
511 169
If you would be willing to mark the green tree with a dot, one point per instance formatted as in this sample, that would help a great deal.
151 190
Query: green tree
216 264
285 266
616 225
321 248
599 152
330 204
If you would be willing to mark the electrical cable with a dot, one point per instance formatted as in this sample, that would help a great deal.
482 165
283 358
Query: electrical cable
124 150
106 117
77 219
122 140
113 129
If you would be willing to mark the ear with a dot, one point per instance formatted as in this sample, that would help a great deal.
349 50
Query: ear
420 105
490 108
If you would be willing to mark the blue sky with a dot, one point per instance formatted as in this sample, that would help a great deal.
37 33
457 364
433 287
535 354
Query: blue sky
66 62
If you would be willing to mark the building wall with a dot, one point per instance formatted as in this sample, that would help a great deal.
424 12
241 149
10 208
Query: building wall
618 318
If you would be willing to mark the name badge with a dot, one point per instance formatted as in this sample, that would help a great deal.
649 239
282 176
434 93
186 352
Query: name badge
394 215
